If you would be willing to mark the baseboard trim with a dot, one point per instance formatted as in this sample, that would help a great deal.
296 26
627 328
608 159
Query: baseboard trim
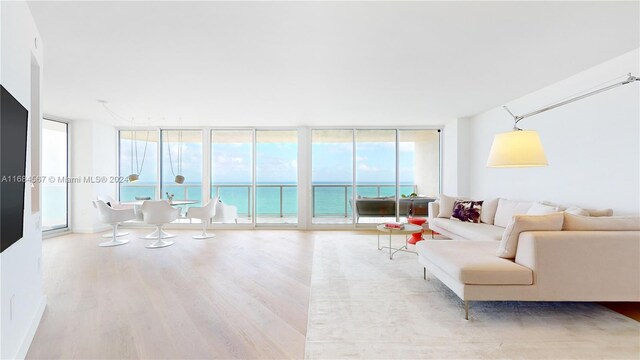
98 229
31 333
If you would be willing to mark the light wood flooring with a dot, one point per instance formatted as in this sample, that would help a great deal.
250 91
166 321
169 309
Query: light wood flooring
242 294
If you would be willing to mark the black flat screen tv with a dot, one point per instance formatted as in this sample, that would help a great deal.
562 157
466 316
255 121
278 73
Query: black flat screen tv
13 162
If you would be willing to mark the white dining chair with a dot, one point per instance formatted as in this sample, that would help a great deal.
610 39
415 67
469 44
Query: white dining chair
158 213
204 213
113 217
115 204
225 213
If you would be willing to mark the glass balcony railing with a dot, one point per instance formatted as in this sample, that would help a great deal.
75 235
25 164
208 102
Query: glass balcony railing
54 206
332 200
275 200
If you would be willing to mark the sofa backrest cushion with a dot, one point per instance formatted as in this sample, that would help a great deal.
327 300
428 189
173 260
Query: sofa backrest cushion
577 211
541 209
522 223
507 208
600 223
446 204
488 214
600 212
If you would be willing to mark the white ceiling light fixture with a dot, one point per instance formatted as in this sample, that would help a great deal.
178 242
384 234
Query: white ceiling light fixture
136 165
179 178
523 148
137 169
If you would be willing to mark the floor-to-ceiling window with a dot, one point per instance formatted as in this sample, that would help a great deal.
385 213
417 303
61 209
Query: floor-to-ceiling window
375 175
181 175
138 162
361 176
232 170
276 176
332 176
397 173
55 207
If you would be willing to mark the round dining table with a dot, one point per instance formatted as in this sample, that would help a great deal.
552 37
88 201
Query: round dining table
172 203
154 234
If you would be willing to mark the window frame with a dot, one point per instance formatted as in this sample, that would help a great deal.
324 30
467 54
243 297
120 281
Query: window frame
67 227
397 129
305 181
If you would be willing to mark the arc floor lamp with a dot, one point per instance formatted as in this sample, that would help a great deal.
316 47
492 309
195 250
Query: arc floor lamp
523 148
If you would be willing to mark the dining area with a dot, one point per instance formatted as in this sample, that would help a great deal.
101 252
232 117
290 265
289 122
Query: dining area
157 214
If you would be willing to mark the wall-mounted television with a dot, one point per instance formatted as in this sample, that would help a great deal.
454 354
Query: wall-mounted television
14 120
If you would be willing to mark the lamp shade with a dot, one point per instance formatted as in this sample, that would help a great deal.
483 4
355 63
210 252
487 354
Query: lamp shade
519 148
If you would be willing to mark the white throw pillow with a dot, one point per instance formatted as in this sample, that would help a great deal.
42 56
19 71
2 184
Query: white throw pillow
600 212
520 223
507 208
541 209
446 204
488 213
577 211
549 203
600 223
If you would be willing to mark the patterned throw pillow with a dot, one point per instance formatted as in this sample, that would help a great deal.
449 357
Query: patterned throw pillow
467 211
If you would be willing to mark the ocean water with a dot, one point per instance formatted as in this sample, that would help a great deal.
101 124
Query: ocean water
329 199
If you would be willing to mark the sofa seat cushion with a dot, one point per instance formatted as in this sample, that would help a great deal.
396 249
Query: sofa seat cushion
470 231
474 262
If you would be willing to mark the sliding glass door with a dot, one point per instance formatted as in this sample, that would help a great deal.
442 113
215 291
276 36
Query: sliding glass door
55 207
356 176
375 176
332 176
276 176
397 173
232 170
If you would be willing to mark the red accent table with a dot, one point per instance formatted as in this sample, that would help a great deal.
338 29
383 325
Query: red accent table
415 237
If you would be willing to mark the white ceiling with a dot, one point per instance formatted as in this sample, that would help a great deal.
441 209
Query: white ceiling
313 63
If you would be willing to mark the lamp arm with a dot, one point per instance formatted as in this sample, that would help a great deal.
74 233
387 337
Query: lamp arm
517 118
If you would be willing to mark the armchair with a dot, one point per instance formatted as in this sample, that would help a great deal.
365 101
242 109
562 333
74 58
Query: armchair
204 213
113 217
115 204
158 213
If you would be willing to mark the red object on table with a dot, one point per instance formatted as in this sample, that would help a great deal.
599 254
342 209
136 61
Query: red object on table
415 237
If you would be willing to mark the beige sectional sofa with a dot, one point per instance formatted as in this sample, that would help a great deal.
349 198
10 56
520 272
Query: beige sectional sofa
563 265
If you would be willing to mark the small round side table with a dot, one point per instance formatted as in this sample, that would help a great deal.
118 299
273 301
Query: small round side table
416 236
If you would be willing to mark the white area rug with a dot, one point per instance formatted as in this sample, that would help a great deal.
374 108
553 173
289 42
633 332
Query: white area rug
364 305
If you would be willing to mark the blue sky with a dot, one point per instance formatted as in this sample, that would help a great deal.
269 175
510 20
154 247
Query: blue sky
276 162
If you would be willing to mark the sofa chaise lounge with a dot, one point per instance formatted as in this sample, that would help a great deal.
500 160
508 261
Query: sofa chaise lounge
563 265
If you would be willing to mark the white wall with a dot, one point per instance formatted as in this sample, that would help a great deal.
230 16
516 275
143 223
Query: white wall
455 157
425 178
93 153
20 263
592 145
